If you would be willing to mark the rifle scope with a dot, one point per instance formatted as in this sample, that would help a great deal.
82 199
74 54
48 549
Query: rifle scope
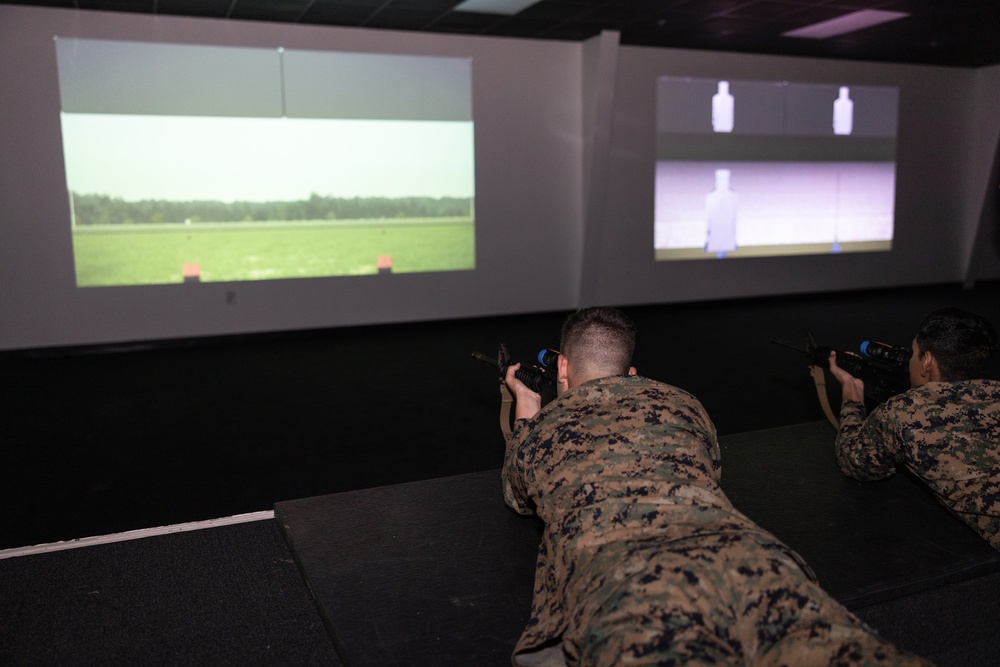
891 354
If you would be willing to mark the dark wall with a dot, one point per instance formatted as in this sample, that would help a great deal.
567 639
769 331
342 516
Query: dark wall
104 439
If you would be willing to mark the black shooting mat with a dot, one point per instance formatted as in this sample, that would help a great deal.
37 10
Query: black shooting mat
437 572
440 571
866 541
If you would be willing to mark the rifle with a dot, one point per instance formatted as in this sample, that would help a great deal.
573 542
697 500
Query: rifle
882 367
540 378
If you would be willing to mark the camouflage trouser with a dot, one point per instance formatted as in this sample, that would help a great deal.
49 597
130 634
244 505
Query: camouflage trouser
722 599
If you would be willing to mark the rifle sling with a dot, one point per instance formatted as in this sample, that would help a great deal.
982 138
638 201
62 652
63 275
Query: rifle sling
819 378
506 400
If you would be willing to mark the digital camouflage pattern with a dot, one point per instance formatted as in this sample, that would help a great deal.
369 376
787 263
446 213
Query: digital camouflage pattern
644 561
946 433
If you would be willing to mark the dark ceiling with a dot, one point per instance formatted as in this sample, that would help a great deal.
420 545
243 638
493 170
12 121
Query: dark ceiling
961 33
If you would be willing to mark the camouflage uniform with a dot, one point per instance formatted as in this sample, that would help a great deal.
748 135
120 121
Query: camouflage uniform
644 561
946 433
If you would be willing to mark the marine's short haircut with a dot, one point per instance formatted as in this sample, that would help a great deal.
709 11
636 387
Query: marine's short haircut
963 343
599 338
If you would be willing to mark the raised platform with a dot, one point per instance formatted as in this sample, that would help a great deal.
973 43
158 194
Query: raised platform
440 572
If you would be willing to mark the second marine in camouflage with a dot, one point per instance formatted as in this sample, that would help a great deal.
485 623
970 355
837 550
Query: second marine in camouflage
945 430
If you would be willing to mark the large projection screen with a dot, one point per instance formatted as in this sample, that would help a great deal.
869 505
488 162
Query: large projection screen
765 168
166 177
929 113
224 164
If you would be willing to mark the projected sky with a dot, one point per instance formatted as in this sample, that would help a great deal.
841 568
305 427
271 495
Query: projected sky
136 157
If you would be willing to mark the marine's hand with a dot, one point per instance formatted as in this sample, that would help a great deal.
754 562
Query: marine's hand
853 389
527 403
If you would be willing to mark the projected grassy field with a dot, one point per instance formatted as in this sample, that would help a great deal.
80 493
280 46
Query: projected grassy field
226 252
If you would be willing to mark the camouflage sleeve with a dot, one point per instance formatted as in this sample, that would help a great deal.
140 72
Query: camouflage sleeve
515 487
698 416
866 448
714 450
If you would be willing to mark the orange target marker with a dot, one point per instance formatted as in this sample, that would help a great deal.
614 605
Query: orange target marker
191 272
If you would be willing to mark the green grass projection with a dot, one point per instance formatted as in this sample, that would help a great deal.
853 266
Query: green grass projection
156 254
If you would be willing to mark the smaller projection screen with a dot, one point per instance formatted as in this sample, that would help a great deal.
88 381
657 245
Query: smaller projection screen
764 168
188 163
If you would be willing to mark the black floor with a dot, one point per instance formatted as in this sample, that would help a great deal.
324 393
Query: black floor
102 440
229 595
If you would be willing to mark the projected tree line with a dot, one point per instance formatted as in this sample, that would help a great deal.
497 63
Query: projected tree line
97 209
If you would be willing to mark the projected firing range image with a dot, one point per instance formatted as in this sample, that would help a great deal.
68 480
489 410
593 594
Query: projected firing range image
195 163
773 168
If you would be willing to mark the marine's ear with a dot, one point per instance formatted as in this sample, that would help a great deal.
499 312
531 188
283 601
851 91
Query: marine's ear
929 367
562 373
632 371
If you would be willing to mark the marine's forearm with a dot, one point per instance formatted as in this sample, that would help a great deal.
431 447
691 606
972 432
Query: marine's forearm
860 453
